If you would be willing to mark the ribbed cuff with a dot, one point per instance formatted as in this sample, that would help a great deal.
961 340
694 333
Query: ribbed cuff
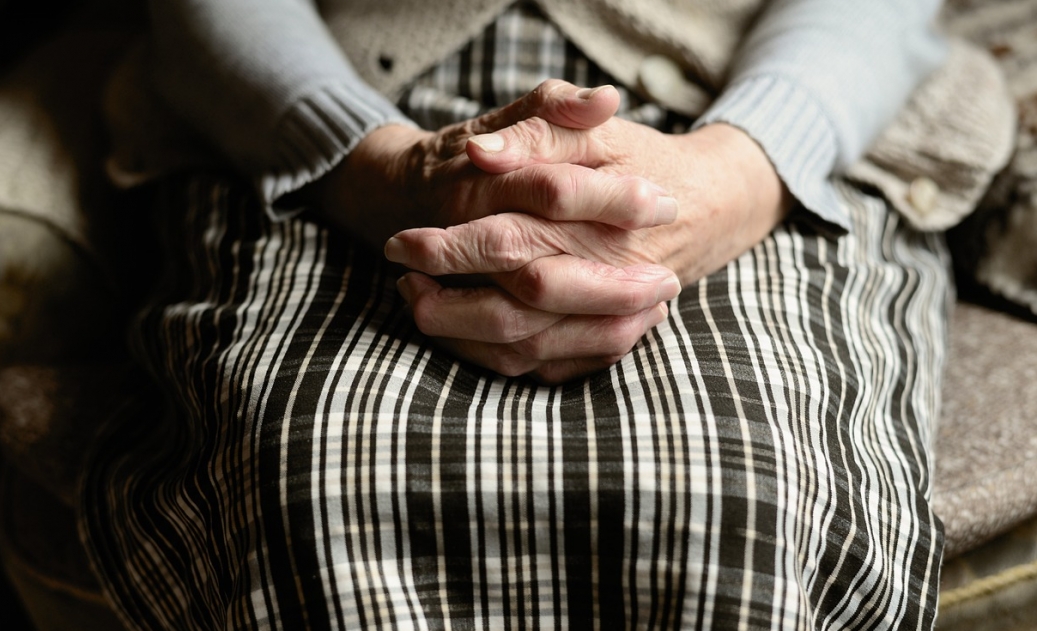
317 133
794 133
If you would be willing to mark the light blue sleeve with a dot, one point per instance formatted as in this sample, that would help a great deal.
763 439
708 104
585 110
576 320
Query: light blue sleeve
816 81
266 83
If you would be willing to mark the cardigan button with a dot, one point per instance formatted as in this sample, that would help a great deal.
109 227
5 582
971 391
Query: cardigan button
661 78
923 195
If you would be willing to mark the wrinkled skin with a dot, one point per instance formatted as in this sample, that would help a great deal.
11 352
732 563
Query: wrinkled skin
573 228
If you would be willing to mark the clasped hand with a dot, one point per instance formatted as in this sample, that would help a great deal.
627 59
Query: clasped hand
571 228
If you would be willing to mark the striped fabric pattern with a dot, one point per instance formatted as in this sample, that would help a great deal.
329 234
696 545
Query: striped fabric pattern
761 460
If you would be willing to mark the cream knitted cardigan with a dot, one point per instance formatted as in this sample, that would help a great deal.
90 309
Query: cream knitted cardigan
932 162
391 42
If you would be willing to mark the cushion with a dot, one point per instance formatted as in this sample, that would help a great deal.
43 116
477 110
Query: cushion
63 291
57 290
995 248
52 302
986 449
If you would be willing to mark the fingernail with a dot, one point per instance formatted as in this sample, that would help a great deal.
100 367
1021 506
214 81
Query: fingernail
669 289
588 93
490 143
665 210
666 282
657 315
403 286
396 250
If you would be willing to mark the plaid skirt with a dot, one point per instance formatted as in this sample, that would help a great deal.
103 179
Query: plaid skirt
760 460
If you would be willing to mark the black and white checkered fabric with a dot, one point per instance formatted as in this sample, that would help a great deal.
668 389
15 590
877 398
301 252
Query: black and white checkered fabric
761 460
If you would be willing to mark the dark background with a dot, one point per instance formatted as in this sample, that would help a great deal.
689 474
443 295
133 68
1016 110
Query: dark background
24 23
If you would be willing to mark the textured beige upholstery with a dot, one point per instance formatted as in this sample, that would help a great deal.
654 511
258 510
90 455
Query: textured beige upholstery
986 460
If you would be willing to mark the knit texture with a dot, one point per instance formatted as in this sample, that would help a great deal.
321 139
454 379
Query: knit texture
266 82
995 247
986 459
935 138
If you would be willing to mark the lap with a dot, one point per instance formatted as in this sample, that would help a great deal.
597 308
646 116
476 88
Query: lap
762 457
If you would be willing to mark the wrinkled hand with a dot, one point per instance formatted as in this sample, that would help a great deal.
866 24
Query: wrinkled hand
402 177
399 177
547 315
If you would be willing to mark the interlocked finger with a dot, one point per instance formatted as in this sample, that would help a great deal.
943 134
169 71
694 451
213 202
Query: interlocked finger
535 297
537 140
480 314
537 262
556 101
567 192
574 346
574 285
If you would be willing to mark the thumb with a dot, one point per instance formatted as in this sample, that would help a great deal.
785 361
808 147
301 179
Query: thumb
557 102
535 141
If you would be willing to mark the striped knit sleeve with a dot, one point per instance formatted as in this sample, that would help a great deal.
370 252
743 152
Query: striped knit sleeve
266 83
817 80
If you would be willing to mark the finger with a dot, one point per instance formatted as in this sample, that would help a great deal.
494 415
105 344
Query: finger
574 285
559 282
567 192
509 242
481 314
497 243
500 361
555 284
575 346
536 140
557 101
588 337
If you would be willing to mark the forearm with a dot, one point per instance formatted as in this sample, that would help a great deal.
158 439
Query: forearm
265 82
817 80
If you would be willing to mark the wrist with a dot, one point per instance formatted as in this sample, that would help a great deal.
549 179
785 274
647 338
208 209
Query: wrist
366 192
764 190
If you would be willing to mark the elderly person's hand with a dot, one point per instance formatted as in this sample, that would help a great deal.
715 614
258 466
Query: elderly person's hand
401 177
548 313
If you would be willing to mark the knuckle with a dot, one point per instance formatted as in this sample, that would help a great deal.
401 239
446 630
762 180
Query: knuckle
507 247
531 347
531 133
623 294
630 301
432 254
532 285
512 325
424 315
640 198
548 86
556 191
449 143
419 165
542 93
421 319
622 335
